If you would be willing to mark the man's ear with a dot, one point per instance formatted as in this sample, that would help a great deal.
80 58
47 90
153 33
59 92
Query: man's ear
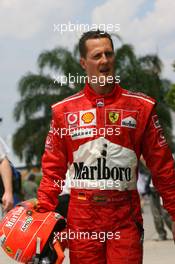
83 63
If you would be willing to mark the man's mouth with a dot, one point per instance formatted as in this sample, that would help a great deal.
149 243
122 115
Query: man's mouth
104 70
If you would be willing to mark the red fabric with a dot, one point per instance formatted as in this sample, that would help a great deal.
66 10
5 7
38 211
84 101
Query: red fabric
110 232
133 116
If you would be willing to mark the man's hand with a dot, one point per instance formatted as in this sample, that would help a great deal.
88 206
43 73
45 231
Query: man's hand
6 175
7 201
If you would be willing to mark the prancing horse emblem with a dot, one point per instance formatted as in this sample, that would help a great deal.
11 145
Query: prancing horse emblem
113 116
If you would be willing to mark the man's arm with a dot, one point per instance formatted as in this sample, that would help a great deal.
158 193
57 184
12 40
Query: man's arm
54 167
6 175
159 160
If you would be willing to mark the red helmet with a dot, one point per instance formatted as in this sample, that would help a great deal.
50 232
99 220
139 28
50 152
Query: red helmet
26 234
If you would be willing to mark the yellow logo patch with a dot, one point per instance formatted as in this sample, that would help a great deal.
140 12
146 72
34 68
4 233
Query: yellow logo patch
9 250
113 116
87 117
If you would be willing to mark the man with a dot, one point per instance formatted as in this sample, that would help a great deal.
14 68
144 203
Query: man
99 134
6 193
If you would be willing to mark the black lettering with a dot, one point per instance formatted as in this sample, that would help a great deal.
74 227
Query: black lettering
85 173
103 172
106 170
99 169
128 174
92 169
121 172
78 170
115 173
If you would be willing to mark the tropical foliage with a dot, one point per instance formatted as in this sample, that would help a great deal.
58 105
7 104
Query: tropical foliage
171 94
38 92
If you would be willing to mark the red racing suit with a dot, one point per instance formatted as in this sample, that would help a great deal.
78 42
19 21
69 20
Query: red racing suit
100 139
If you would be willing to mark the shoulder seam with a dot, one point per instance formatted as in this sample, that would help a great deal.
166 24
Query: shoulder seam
139 97
67 100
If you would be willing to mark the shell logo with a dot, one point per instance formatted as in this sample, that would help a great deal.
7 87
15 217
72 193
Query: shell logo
87 117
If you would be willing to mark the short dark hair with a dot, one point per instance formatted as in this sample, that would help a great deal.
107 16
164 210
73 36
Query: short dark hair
93 34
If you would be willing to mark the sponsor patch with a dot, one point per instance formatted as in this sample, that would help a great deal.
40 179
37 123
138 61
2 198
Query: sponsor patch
10 223
100 198
129 119
27 223
49 142
2 239
9 250
88 118
161 138
156 121
18 254
129 122
101 171
82 133
82 196
100 102
113 117
72 119
51 130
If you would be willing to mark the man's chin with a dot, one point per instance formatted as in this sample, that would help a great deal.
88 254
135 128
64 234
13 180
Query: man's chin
106 79
107 84
103 85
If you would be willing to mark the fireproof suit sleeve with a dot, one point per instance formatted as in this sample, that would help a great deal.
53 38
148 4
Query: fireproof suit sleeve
159 160
54 167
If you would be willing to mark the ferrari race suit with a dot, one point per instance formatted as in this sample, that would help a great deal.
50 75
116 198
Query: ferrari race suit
100 139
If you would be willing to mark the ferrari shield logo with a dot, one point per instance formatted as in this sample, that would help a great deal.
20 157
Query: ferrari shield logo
113 116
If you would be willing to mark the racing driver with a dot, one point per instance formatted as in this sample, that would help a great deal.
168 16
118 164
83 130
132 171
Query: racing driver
99 135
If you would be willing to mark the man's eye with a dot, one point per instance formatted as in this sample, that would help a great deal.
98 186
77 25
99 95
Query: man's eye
109 53
97 56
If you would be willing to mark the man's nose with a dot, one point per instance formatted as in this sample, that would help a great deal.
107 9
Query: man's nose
104 58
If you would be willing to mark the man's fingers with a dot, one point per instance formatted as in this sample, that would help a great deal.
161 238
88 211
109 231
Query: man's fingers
7 204
7 199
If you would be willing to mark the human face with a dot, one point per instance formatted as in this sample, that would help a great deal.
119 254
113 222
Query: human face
99 63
